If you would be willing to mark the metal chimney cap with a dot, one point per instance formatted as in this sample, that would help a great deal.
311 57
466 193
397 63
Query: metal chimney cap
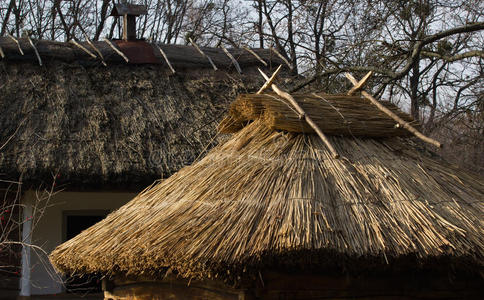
121 9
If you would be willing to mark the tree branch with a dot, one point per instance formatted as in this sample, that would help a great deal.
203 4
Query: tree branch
473 53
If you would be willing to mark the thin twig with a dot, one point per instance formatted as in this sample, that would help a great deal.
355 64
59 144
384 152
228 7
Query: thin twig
13 134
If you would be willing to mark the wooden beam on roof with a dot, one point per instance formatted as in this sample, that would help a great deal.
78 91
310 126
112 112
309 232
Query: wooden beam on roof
95 49
116 49
16 41
399 120
255 55
203 54
82 48
282 57
232 58
35 50
302 115
166 59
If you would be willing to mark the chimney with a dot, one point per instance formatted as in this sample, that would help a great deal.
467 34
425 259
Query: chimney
129 12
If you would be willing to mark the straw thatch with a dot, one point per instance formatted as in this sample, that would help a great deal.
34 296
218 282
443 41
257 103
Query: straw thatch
108 127
267 198
334 114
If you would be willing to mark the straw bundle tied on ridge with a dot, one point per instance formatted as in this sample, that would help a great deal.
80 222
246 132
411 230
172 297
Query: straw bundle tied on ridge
334 114
270 198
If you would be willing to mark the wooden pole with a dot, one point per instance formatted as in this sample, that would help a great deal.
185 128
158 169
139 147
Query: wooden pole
83 48
116 49
35 50
302 115
203 54
234 62
255 55
281 57
166 59
269 82
1 53
95 49
360 84
26 242
125 27
16 41
399 120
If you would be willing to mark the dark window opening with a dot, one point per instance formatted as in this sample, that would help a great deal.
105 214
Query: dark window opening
87 283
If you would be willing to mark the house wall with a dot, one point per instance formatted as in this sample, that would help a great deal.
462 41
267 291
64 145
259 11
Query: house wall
48 229
296 286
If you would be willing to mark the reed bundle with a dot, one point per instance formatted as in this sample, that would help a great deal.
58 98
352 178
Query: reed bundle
265 196
334 114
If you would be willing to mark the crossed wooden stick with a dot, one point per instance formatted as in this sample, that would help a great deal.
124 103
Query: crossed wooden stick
358 85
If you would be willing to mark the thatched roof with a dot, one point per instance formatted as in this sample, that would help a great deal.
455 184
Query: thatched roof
270 198
122 125
181 57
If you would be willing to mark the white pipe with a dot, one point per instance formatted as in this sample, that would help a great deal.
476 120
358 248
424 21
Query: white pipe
27 241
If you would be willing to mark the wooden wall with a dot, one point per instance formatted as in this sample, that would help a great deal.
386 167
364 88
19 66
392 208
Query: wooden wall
279 286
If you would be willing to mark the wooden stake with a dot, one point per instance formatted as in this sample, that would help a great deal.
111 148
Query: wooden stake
269 82
35 50
95 49
166 59
399 120
302 115
116 49
255 55
234 62
16 41
1 53
83 48
360 84
281 57
203 54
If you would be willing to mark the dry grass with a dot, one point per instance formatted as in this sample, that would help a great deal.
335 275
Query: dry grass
334 114
263 195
